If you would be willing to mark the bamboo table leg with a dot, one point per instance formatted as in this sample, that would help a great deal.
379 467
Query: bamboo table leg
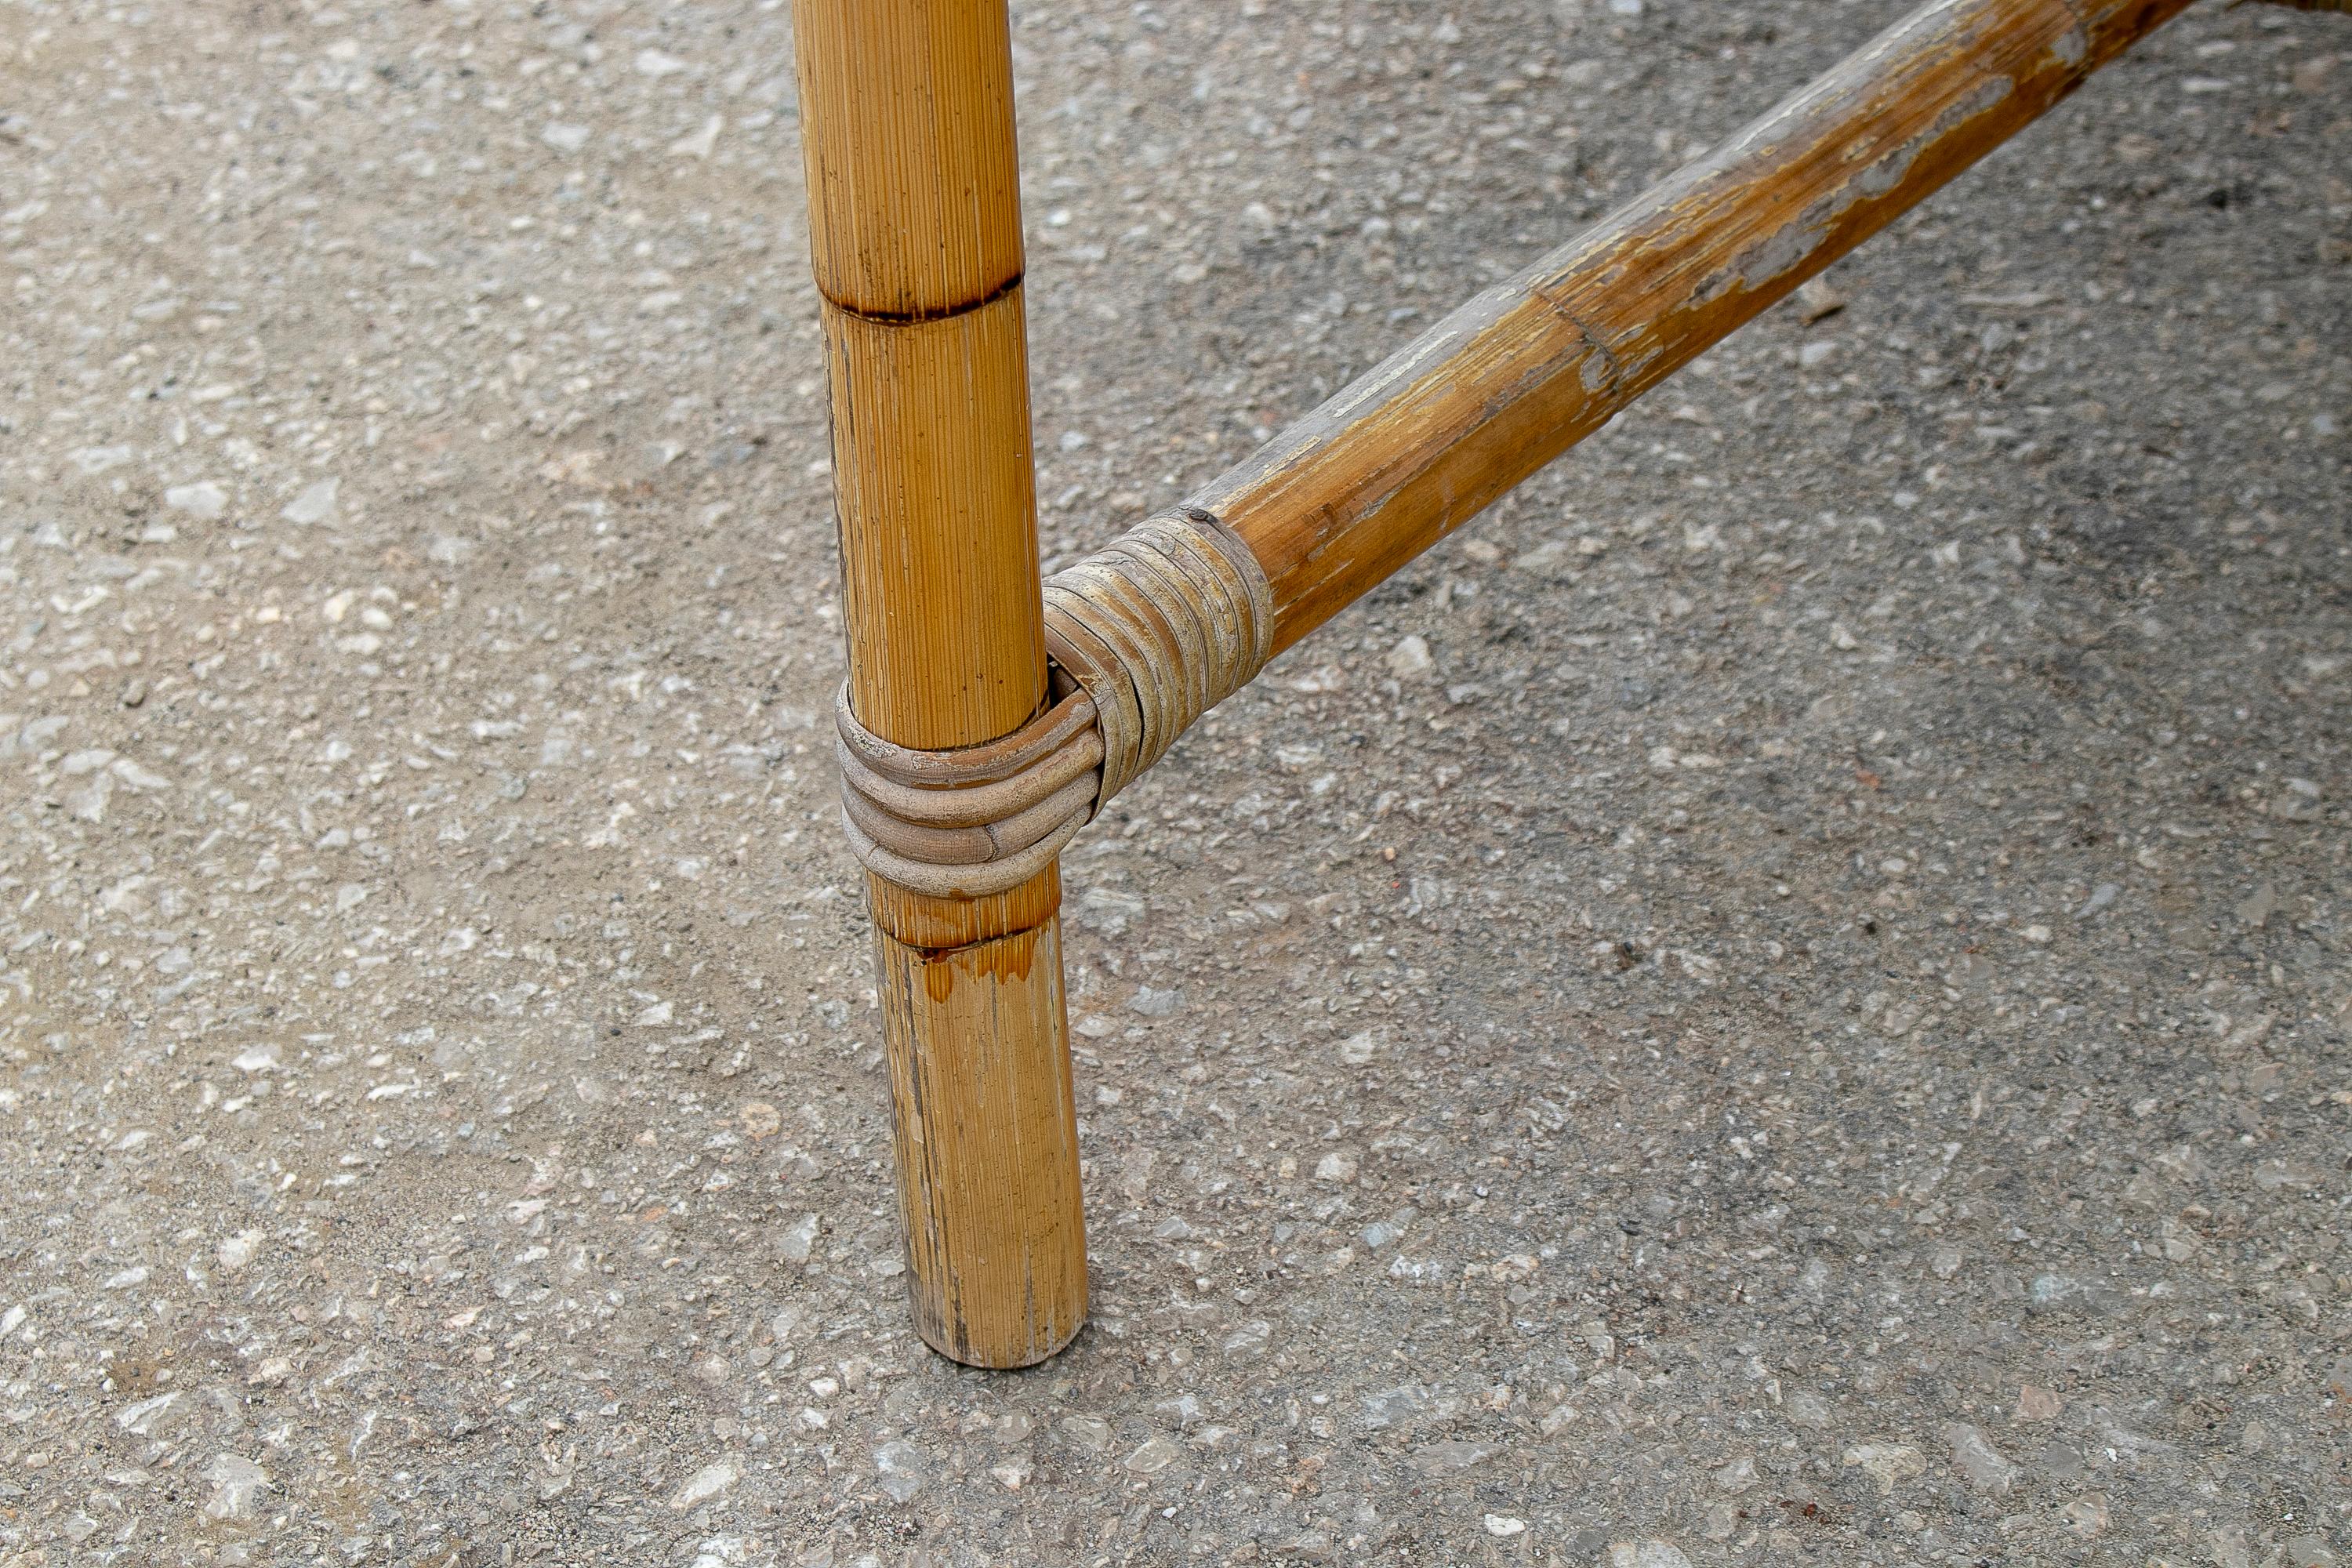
915 238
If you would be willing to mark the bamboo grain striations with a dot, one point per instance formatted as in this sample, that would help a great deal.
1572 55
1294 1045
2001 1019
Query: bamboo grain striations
914 185
1409 452
915 238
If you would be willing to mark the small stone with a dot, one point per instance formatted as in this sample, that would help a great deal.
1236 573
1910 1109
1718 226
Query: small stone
1135 1174
2274 1175
2035 1402
1091 1433
1013 1474
1394 1406
202 500
1503 1527
137 777
2064 1293
719 1551
1550 559
239 1250
147 1418
1738 1476
237 1485
705 1484
1888 1464
1816 301
1335 1167
1945 1260
1183 1412
1974 1456
901 1468
1645 1554
1451 1457
701 143
2258 907
655 63
1250 1339
1411 659
761 1120
1808 1409
1154 1457
315 505
1155 1003
799 1238
566 137
98 459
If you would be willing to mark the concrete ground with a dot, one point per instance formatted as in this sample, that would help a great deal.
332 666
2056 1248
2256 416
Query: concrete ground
1783 998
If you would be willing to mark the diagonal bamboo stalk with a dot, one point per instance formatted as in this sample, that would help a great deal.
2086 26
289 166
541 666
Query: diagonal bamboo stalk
1415 448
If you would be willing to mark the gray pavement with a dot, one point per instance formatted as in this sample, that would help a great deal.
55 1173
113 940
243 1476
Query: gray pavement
1781 999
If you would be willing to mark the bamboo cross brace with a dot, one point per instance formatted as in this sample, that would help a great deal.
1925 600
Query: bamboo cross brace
1342 498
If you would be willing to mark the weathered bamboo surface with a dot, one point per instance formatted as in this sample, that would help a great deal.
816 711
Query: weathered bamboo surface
914 186
915 238
986 1136
1335 504
933 485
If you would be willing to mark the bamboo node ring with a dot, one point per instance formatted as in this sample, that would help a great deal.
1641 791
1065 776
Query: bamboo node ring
1146 636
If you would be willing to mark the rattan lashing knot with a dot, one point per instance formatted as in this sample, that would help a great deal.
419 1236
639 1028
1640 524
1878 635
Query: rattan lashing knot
1144 636
974 820
1160 626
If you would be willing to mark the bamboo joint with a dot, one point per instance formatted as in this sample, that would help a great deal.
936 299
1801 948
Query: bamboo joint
1183 610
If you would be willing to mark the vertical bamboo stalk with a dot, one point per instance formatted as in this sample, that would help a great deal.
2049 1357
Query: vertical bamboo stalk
915 238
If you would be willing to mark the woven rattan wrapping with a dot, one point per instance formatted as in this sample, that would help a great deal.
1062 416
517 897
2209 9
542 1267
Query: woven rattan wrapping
1146 636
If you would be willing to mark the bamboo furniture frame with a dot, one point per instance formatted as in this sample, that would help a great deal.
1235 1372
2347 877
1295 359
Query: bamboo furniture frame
961 737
